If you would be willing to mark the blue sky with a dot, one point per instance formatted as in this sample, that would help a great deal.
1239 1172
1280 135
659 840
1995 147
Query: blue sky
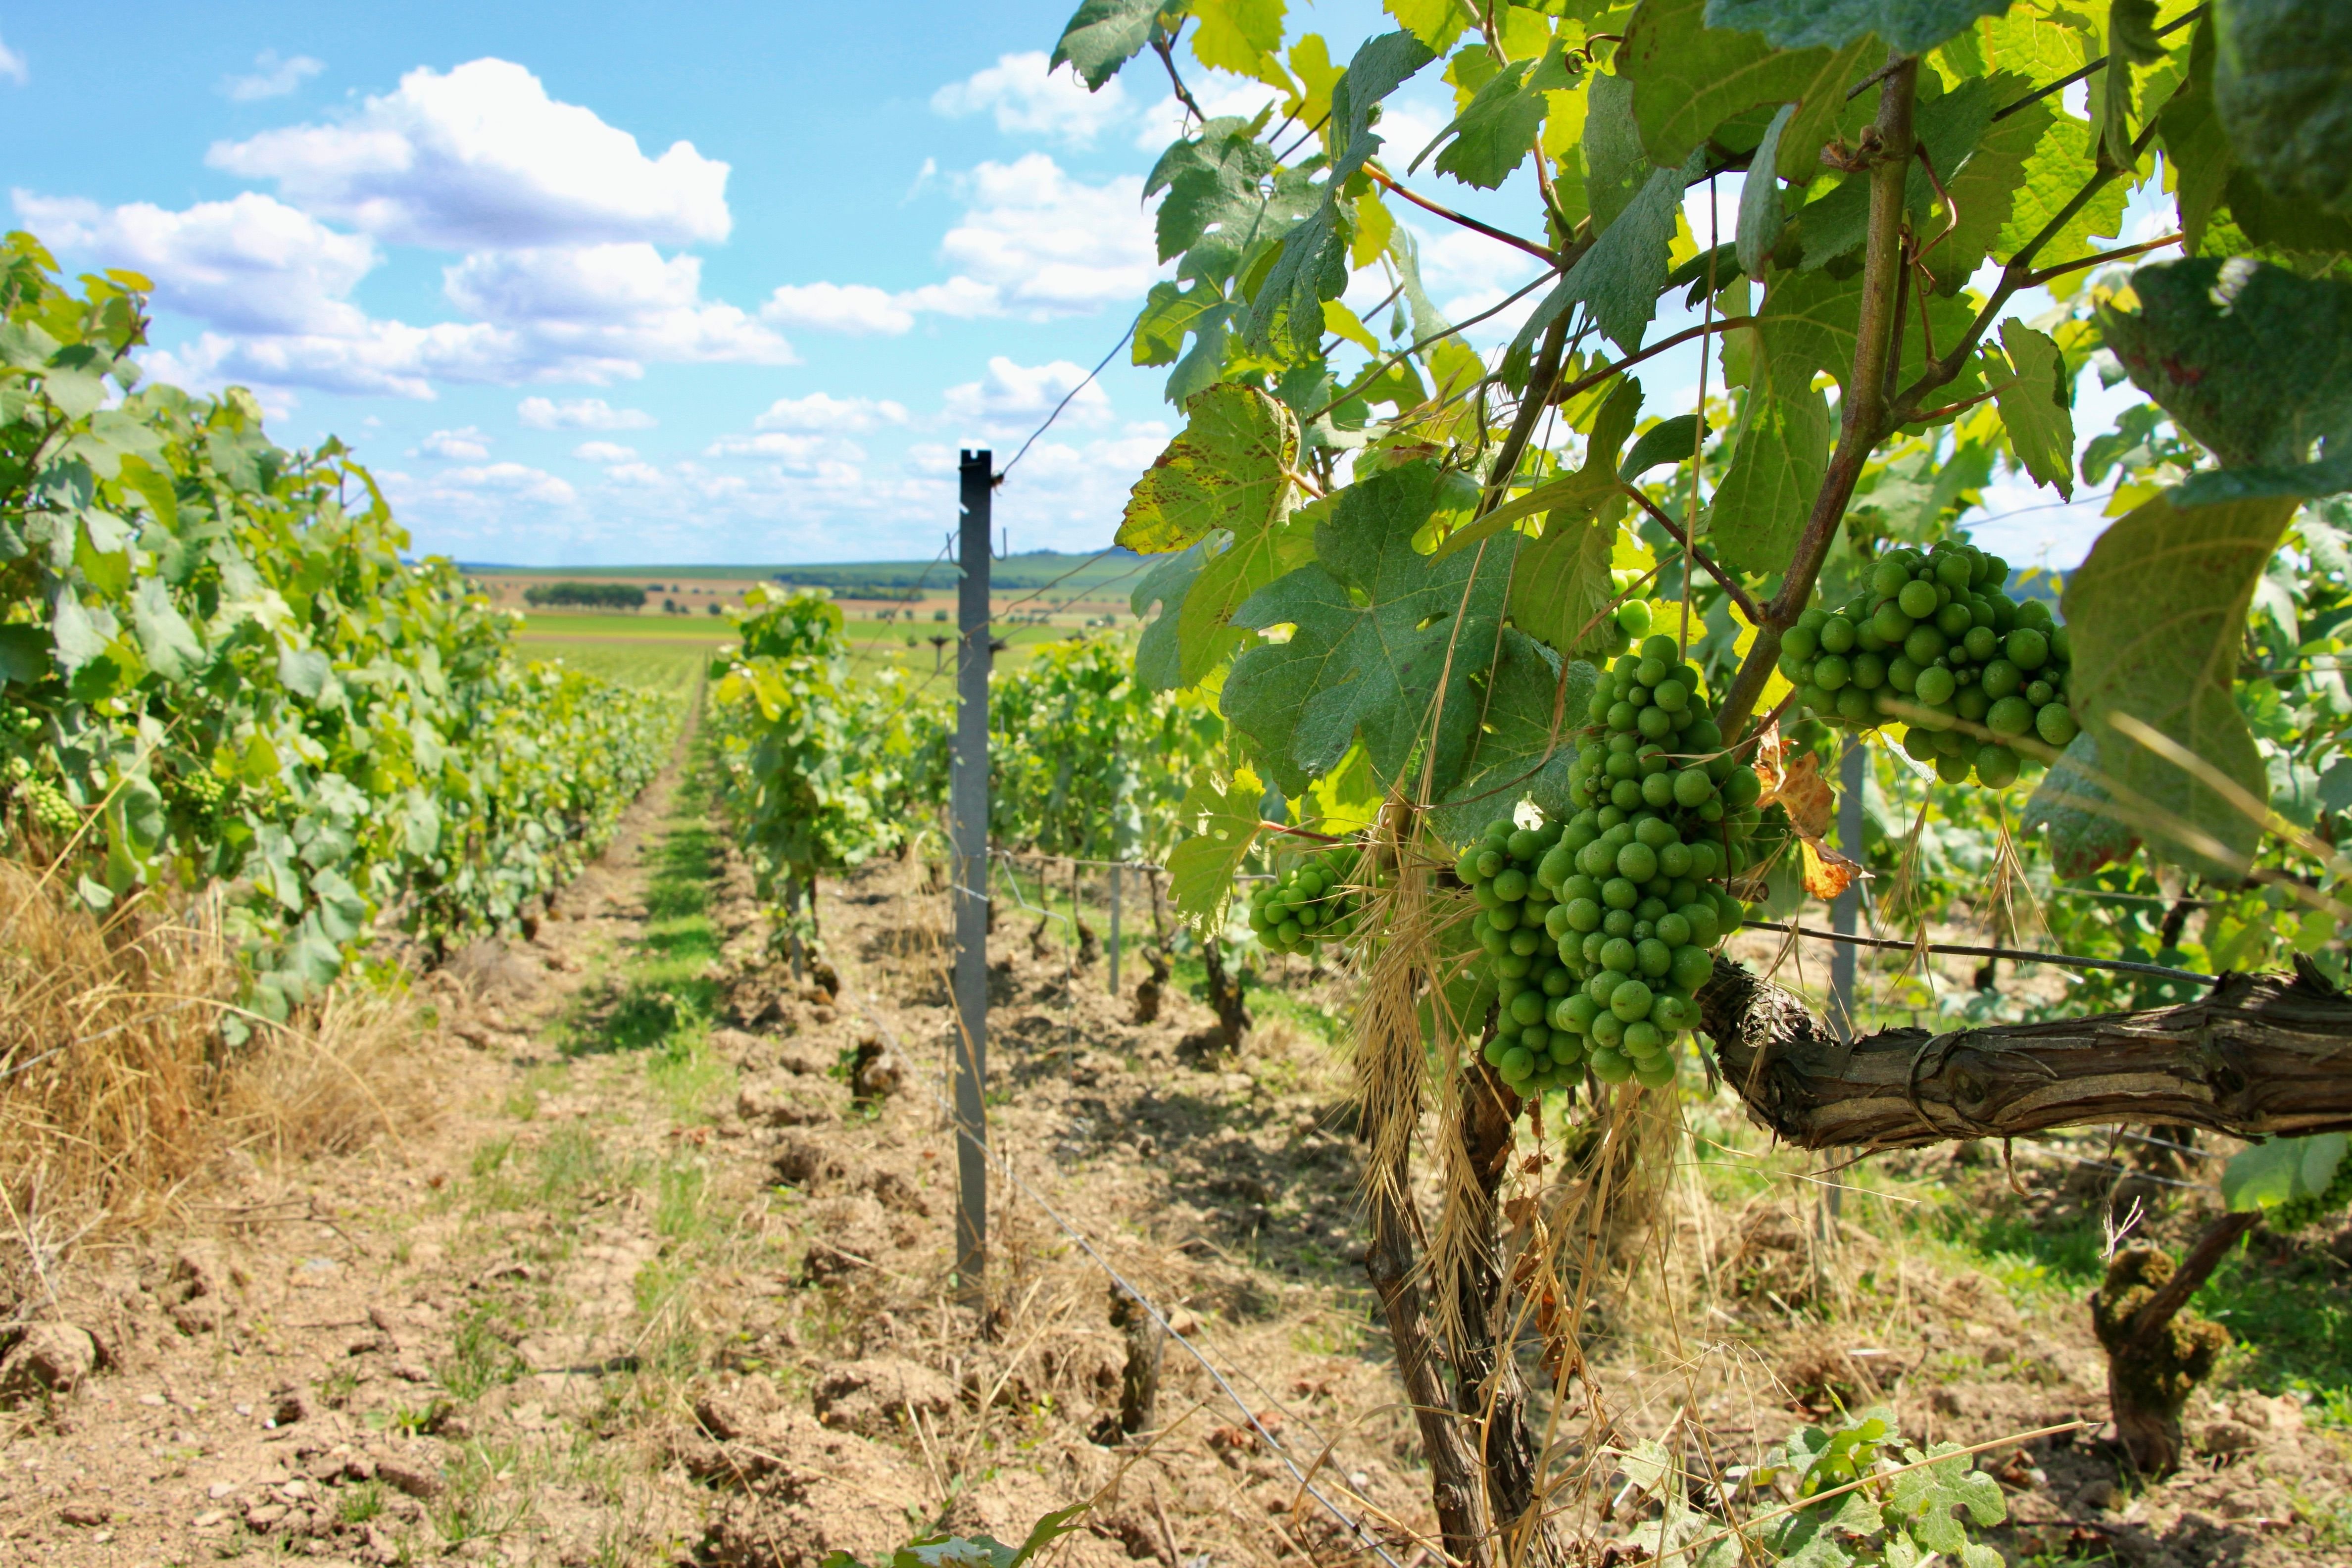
721 283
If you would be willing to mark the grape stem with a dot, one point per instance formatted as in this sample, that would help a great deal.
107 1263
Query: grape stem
1265 826
1740 595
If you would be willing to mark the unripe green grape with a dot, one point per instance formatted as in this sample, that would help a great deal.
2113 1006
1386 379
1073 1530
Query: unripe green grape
1936 685
1917 600
1609 1067
1997 766
2055 725
1631 1001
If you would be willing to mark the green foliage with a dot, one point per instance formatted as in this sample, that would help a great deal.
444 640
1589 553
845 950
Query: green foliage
592 596
817 771
2158 615
2283 84
1086 759
2294 1181
978 1552
224 674
1352 622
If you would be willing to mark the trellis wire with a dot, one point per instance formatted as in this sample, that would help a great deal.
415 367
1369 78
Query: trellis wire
2020 956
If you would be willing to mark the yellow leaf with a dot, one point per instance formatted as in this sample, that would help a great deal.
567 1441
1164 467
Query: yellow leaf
1374 225
1337 318
1827 872
1310 62
1776 685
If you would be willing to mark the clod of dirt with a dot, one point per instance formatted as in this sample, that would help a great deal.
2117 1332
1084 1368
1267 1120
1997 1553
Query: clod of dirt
893 1191
791 1101
195 1295
802 1161
872 1397
51 1359
409 1473
2229 1440
811 1491
877 1071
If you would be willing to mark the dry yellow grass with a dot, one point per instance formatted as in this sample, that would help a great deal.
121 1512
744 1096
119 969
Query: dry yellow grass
117 1088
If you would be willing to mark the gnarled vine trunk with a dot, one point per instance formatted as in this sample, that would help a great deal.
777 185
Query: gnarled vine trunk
2258 1056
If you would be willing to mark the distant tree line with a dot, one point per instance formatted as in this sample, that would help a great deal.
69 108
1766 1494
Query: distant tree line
587 595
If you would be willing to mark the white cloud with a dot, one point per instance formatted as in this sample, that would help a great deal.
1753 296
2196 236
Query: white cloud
13 66
819 413
1041 244
603 452
483 157
466 444
796 452
580 414
518 480
1034 243
612 304
1028 100
856 309
644 474
251 263
275 77
1013 398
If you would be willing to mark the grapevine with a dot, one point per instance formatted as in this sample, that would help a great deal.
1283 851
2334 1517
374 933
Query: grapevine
1935 641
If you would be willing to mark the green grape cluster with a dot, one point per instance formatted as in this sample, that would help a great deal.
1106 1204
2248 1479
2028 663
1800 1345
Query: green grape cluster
198 793
45 807
1600 929
2297 1214
18 720
1312 901
1936 642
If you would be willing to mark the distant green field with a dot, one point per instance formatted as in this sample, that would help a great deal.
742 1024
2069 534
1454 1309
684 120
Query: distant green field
1020 573
665 652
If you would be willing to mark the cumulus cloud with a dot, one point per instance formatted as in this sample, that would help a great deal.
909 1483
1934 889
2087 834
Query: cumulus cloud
821 414
580 414
856 309
1033 243
1012 399
1218 92
604 452
481 157
250 264
272 76
610 302
1045 244
13 67
800 452
466 444
518 480
1028 100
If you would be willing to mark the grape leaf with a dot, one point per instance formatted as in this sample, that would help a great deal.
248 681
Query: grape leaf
2158 614
1810 320
1229 468
1761 215
1170 312
2086 827
2055 174
1984 187
1158 660
1911 27
1759 511
1436 22
2252 362
1287 312
1102 36
2282 83
1221 824
1241 36
2278 1171
1530 707
1381 634
1620 279
1495 132
1235 567
1668 441
2328 477
2037 406
1560 582
1690 77
171 648
1615 169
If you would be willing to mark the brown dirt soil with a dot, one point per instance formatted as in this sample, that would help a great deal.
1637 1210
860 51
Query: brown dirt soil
674 1304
